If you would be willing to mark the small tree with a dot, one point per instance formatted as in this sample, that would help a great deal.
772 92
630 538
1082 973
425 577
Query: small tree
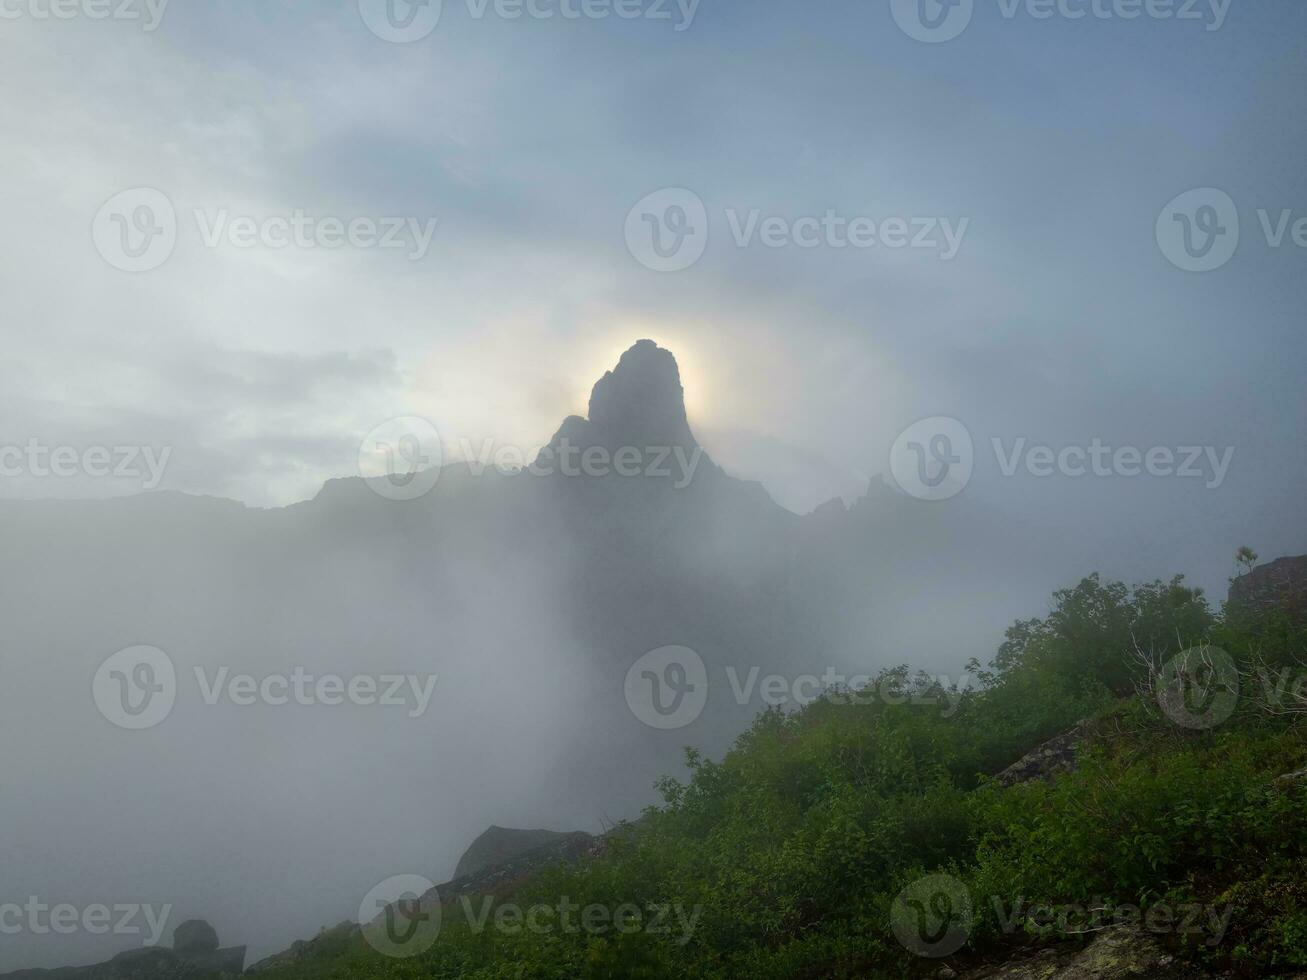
1245 558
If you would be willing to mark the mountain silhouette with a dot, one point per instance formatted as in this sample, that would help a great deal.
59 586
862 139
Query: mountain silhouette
529 594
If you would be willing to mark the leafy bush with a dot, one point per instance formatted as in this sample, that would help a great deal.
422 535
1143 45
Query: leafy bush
790 850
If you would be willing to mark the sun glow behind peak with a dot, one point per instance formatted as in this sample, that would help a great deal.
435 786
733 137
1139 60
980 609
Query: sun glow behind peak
695 378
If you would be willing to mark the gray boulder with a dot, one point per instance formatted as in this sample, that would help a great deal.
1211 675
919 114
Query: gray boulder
195 937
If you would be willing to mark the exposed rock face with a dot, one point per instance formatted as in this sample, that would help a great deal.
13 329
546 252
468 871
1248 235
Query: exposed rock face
1057 755
1115 954
639 403
1281 584
195 937
1118 953
502 876
498 878
500 844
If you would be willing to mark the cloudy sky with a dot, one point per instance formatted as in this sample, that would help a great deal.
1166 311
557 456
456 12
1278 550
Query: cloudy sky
1052 142
243 234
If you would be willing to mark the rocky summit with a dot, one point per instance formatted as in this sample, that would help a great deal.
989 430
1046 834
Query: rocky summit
639 404
1280 584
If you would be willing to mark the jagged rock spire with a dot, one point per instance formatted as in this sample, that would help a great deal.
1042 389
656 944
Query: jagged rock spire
639 403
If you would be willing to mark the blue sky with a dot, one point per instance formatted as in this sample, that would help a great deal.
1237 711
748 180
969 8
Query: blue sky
1059 319
1055 147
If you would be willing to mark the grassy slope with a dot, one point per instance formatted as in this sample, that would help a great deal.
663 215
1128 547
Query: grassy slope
795 845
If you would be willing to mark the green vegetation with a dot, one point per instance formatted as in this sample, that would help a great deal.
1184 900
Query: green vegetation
794 846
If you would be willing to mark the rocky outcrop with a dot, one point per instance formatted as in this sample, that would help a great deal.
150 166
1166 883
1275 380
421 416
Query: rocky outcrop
498 878
1278 585
1057 755
503 876
639 405
1115 954
195 955
500 844
195 938
640 402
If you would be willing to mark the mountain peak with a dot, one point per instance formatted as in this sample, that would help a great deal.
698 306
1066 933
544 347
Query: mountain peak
638 403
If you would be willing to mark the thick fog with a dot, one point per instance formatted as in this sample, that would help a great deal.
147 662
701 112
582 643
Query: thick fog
193 451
